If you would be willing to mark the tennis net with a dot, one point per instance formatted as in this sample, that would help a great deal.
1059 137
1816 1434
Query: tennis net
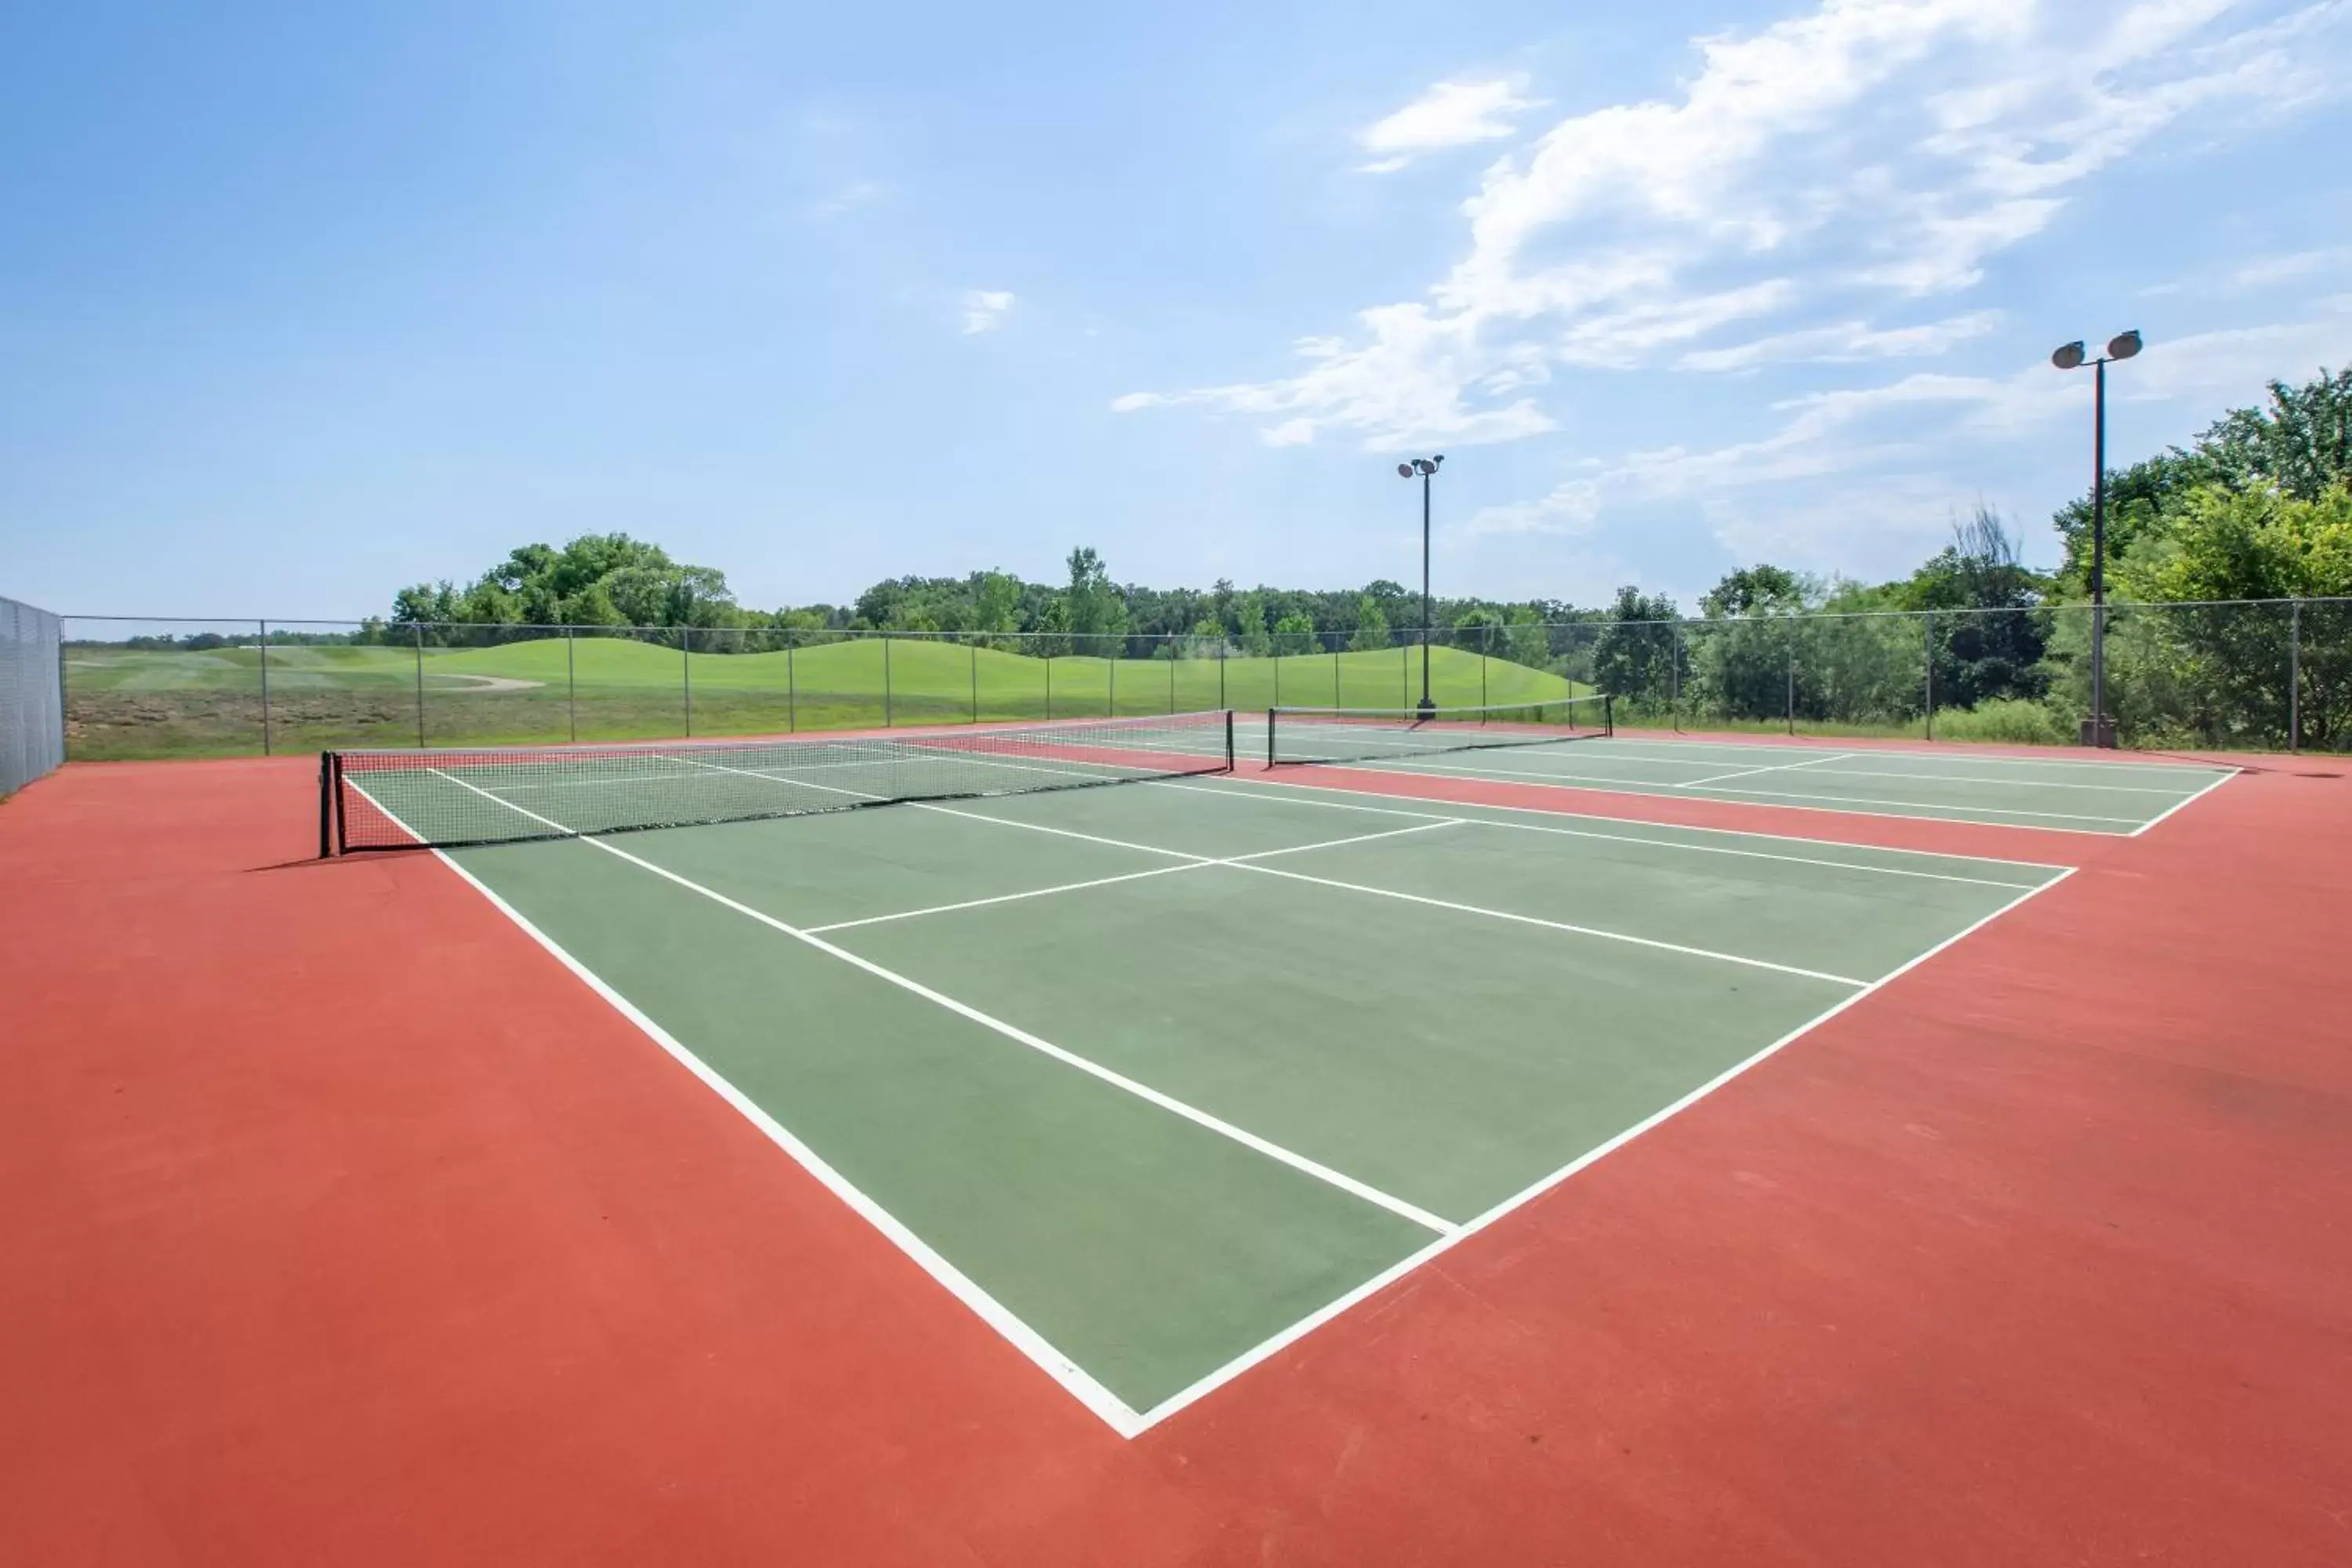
1368 734
443 799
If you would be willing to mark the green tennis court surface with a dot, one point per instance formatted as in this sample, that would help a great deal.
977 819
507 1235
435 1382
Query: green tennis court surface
1155 1076
2074 796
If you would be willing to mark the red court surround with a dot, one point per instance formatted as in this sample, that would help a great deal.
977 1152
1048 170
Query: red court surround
339 1224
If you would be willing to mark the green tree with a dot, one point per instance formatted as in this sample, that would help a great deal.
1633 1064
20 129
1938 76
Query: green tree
1371 626
1052 638
997 603
2301 446
1993 645
1295 634
1634 655
1097 613
1249 624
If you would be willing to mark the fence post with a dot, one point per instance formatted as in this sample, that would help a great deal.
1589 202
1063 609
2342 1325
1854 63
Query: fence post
975 683
1335 680
1049 684
2101 719
1277 677
1928 623
791 691
1404 672
887 719
1221 678
685 672
1793 674
1486 644
571 689
2295 677
265 689
1111 698
417 628
1173 651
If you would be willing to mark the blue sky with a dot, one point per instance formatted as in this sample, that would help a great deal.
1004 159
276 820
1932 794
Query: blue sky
300 303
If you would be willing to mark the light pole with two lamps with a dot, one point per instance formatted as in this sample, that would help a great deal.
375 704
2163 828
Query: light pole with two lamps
2099 730
1427 468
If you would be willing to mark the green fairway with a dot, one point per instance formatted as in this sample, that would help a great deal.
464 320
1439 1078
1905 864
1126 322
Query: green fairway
123 702
1152 1077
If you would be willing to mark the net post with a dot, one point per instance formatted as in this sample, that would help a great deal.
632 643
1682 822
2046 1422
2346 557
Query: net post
1609 713
1229 740
266 745
326 805
1270 736
343 826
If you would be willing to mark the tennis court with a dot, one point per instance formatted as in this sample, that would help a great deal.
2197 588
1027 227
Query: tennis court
2069 796
1157 1078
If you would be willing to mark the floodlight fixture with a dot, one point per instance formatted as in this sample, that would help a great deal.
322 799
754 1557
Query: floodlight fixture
2099 729
1426 468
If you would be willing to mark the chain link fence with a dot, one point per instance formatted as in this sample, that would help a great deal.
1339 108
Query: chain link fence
32 695
2264 676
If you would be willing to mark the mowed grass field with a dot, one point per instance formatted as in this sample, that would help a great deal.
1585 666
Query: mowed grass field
124 702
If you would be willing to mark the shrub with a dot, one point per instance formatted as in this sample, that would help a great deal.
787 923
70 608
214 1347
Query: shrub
2009 720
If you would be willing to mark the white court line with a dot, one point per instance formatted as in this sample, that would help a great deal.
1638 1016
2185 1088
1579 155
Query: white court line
1751 773
1438 765
1248 865
1999 784
1081 1385
2192 800
1555 925
1242 791
1004 898
1141 1090
1277 1343
1643 786
1930 805
1354 796
1198 863
1954 751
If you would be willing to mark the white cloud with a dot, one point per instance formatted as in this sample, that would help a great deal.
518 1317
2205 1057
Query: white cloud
1808 179
2273 270
984 310
1450 114
1572 508
1867 474
862 192
1846 342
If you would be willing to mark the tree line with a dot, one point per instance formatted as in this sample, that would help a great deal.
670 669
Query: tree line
2258 507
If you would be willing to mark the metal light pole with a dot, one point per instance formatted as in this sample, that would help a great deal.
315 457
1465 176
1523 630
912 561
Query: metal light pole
2099 730
1427 468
